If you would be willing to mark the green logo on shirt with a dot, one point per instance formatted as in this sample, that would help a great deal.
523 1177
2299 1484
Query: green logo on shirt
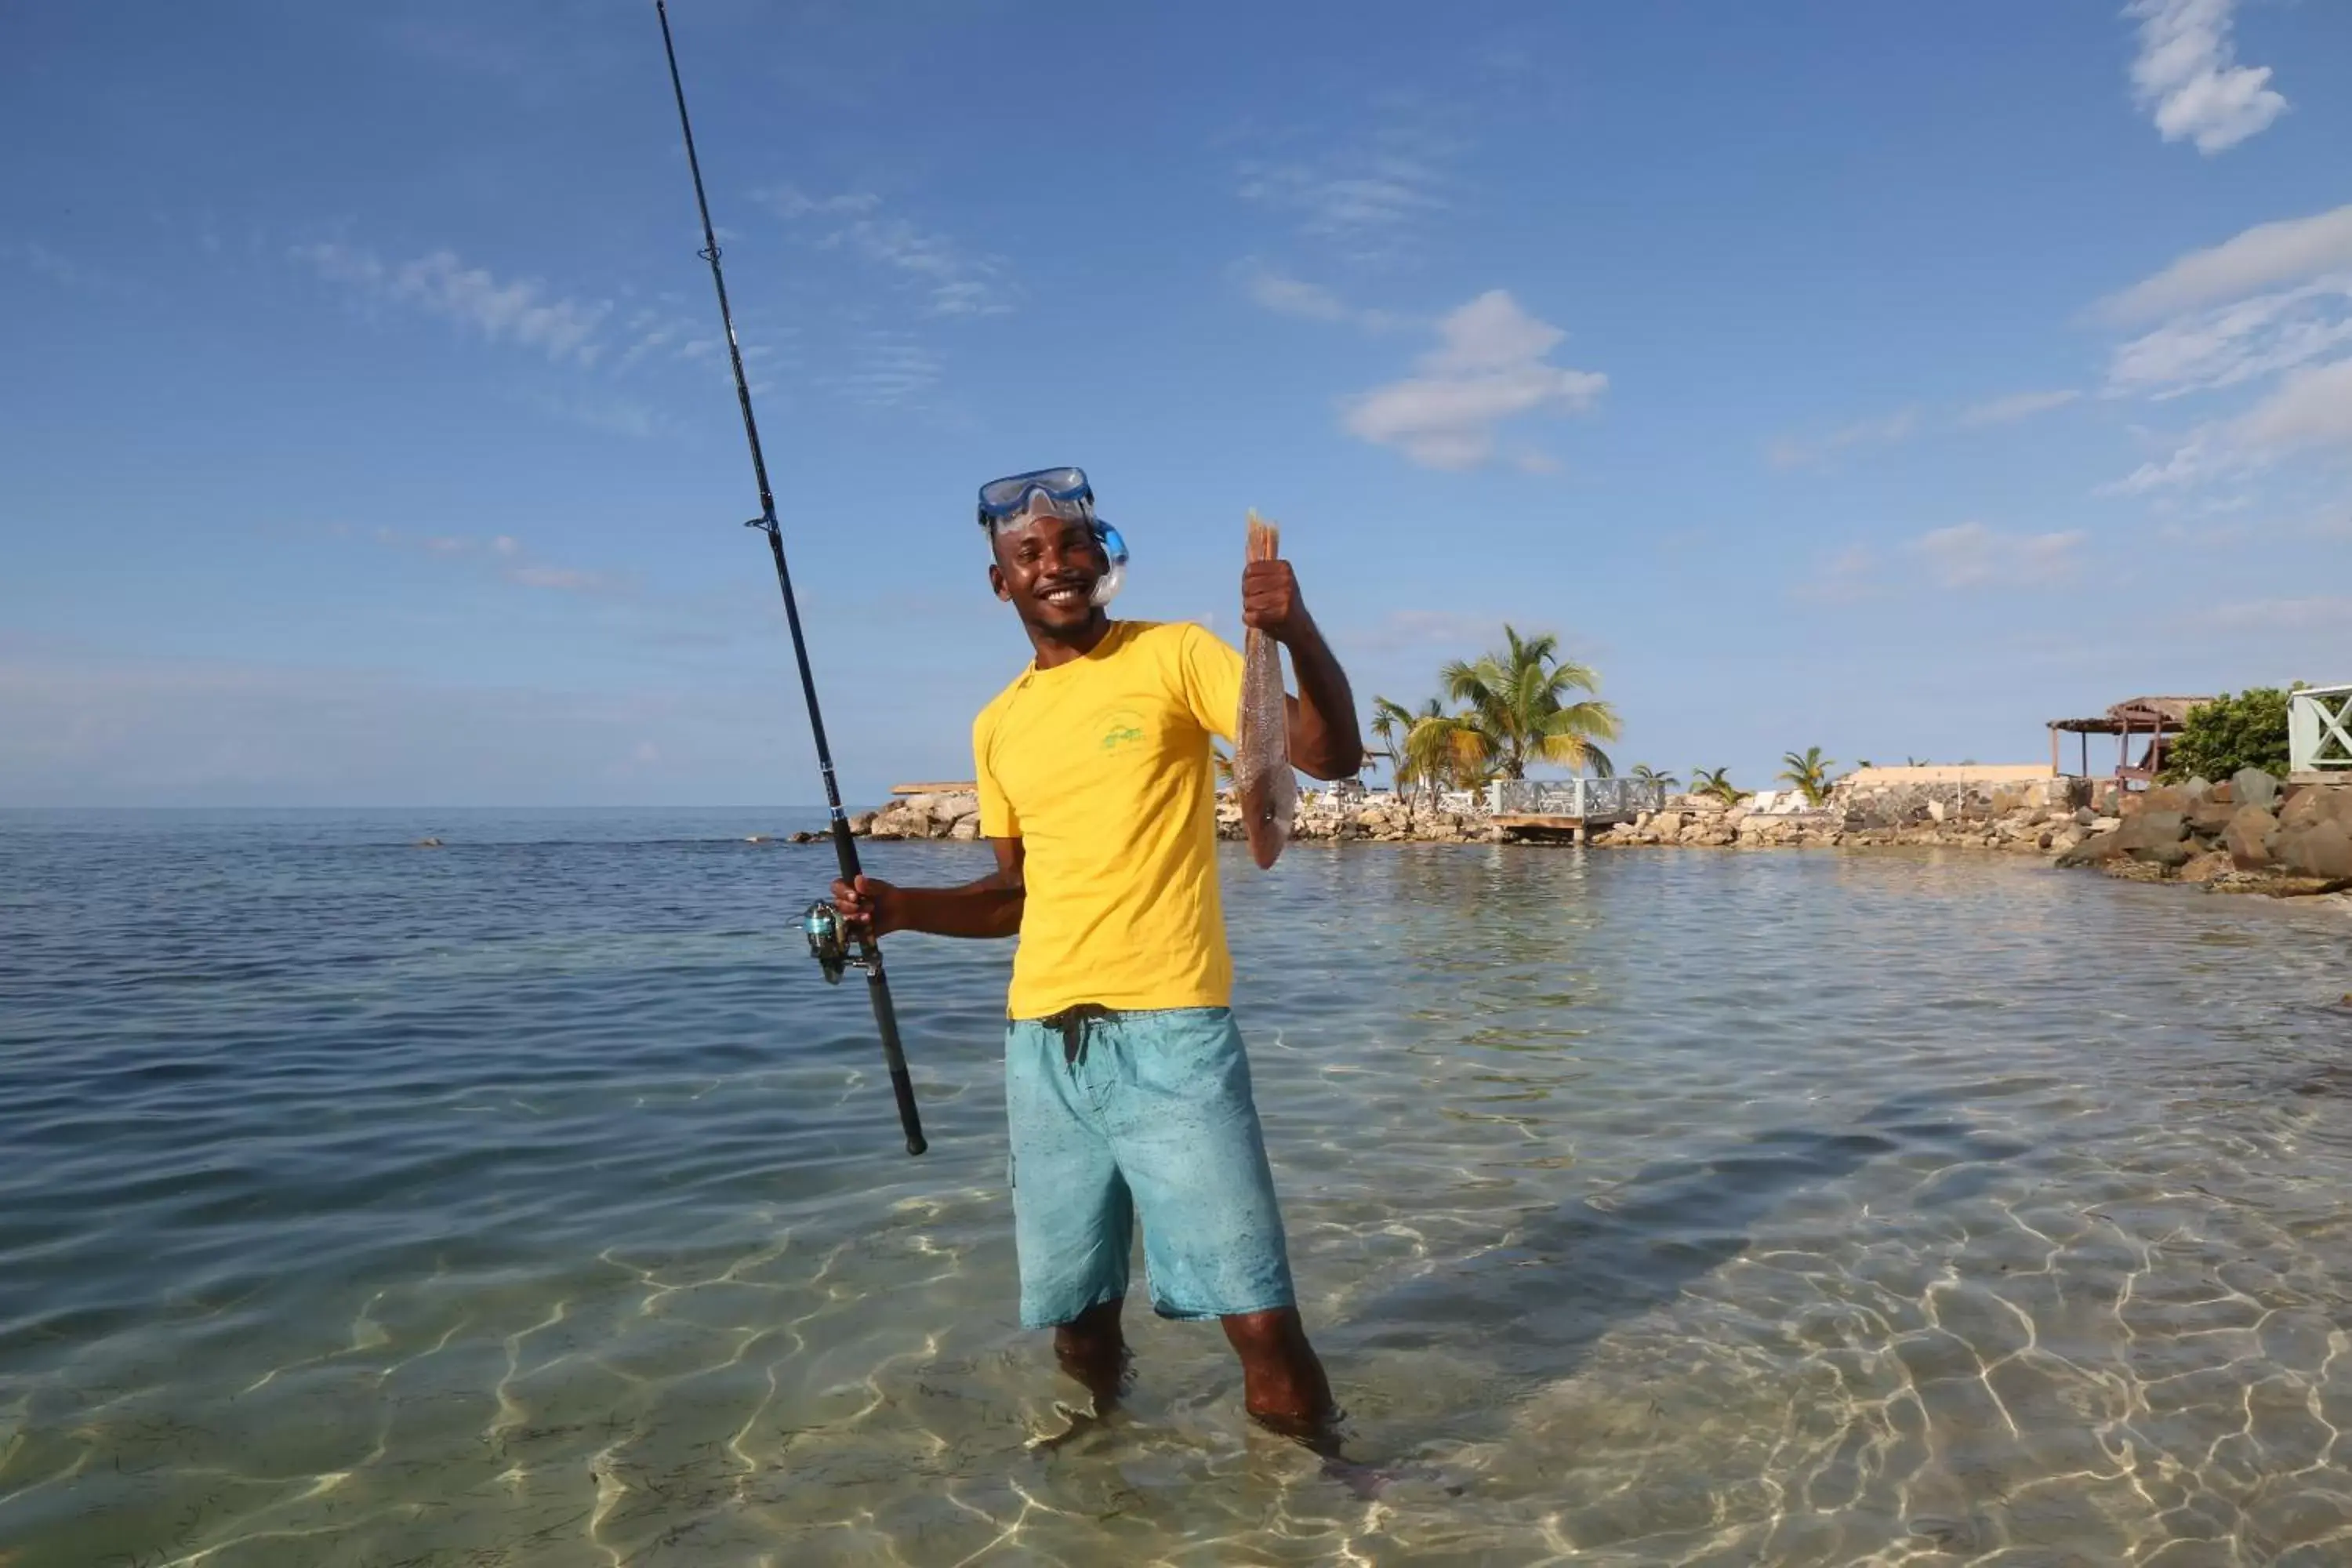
1125 729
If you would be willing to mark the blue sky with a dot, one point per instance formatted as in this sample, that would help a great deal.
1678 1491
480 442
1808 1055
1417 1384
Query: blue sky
1885 378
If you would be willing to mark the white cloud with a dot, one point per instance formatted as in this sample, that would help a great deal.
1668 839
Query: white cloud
1971 555
504 557
1850 575
1345 197
665 334
2313 407
2240 342
1271 290
2270 305
34 257
955 281
99 728
886 370
2015 406
1789 452
1362 201
790 202
1341 204
1401 629
1966 556
2267 255
1286 296
612 416
440 284
2187 75
1492 364
2327 611
2310 410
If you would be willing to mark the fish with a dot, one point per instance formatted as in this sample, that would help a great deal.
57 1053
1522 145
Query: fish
1262 776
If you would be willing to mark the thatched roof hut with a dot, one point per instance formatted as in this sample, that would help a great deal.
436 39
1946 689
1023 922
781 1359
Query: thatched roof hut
2154 717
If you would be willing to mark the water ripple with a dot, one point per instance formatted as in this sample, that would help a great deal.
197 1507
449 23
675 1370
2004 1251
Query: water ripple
527 1201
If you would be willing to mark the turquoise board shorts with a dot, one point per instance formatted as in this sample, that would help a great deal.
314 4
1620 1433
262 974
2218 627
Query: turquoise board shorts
1120 1114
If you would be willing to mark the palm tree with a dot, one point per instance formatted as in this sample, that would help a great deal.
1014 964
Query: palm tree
1516 712
1809 775
1643 773
1449 750
1222 760
1392 722
1715 782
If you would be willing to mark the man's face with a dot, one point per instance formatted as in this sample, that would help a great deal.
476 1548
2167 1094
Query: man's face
1047 568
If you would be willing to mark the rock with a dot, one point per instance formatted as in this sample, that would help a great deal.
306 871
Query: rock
426 843
2151 828
2248 837
2209 815
862 824
2196 789
2320 850
2209 867
965 827
2084 816
2307 804
2094 850
2163 797
2252 786
2178 852
2223 791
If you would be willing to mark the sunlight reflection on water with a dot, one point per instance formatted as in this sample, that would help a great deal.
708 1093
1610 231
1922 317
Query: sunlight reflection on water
529 1201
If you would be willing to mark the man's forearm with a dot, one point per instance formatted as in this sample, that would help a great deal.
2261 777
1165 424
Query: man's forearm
1323 742
988 908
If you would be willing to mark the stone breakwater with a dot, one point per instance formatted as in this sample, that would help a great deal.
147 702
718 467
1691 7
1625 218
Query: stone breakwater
2247 834
1321 818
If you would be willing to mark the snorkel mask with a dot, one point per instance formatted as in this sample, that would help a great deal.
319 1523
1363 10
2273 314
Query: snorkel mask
1015 501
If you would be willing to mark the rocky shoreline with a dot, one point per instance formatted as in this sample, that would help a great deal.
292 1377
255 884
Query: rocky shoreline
2250 834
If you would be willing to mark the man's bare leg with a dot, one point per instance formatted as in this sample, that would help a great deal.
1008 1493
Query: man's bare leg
1092 1349
1283 1384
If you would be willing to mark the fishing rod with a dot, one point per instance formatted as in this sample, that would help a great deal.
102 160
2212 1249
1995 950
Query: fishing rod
829 936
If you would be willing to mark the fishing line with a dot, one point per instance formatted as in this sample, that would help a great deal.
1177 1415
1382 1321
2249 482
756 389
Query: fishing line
830 938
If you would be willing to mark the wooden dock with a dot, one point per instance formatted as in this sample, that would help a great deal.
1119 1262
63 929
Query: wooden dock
1569 808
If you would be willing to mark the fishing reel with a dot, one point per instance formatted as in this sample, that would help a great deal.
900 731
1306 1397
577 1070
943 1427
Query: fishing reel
830 941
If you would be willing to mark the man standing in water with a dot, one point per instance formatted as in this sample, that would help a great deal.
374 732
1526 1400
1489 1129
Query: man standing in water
1125 1080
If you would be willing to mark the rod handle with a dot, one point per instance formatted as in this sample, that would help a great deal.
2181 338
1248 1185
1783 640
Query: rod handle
909 1117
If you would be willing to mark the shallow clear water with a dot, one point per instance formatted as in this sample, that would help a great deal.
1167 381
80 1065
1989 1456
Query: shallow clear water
529 1201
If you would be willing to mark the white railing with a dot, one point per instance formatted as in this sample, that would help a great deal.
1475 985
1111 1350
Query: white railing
2319 730
1581 798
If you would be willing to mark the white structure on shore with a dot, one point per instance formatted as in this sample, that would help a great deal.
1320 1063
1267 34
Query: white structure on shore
2319 733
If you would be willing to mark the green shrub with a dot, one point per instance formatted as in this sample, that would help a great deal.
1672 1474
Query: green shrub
2247 731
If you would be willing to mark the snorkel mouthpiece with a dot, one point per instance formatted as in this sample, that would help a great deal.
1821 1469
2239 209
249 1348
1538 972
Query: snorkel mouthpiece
1108 585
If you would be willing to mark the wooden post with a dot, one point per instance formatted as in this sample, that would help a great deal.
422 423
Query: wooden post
2053 751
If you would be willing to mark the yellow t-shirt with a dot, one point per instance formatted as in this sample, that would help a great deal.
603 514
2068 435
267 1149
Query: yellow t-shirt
1100 767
